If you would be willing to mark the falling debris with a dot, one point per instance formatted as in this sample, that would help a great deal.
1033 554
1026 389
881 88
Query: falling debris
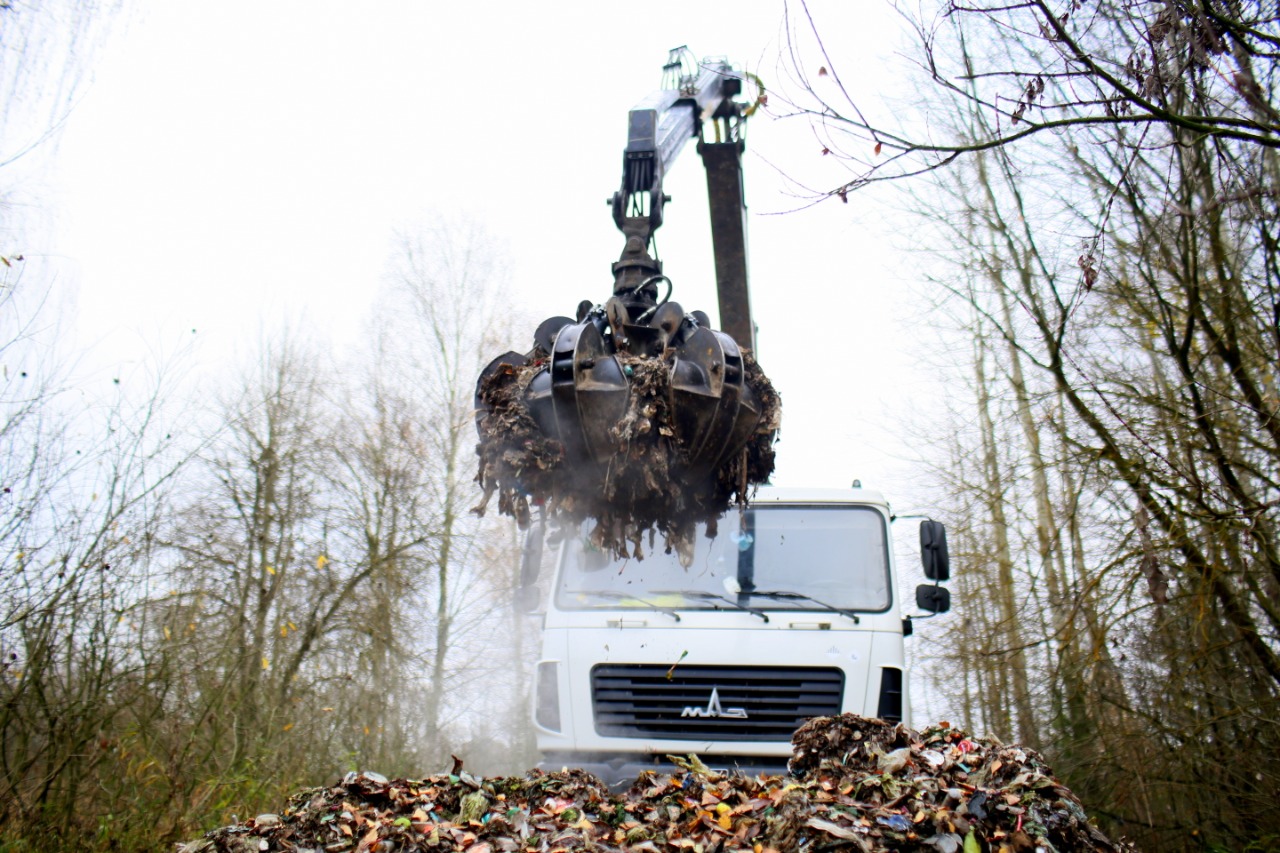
857 784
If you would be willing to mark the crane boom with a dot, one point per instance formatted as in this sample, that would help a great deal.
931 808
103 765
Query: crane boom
727 197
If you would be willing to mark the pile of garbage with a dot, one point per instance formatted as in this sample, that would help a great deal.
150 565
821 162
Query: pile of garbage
856 784
939 790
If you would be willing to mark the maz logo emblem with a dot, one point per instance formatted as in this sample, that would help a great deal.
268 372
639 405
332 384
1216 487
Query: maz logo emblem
714 709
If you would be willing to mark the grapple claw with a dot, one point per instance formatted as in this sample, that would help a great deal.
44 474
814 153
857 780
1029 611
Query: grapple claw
637 415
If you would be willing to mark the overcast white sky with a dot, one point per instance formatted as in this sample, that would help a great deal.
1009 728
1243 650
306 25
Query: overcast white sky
234 164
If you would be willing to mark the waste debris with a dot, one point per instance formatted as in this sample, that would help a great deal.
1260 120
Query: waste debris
856 784
650 480
942 789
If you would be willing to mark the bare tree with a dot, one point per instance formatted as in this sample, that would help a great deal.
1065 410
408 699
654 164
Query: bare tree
1127 365
259 635
386 520
46 51
445 310
1039 68
1112 240
83 495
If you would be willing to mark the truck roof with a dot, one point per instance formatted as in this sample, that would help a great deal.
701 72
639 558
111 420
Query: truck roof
791 494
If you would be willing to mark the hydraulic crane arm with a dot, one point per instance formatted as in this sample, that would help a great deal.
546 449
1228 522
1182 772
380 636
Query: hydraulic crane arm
696 101
723 161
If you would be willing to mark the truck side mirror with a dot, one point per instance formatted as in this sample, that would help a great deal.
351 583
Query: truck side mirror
530 566
932 598
933 551
527 599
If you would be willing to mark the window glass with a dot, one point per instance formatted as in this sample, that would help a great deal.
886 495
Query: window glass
768 558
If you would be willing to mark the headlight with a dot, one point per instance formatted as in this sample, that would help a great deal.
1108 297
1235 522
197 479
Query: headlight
546 711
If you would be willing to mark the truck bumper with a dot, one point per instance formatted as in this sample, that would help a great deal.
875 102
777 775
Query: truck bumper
620 771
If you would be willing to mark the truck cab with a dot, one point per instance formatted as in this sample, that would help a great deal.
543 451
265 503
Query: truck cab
790 611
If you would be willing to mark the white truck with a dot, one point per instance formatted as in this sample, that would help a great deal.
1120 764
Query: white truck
791 611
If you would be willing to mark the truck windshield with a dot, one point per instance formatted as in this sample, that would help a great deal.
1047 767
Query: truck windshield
833 555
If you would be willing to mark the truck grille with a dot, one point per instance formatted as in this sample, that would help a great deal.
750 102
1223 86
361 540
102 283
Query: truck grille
766 703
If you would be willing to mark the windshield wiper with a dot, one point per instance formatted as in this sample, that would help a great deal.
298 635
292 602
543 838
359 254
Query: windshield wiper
623 596
786 595
711 596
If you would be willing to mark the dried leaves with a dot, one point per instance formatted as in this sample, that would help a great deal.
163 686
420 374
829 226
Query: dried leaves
937 789
857 785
